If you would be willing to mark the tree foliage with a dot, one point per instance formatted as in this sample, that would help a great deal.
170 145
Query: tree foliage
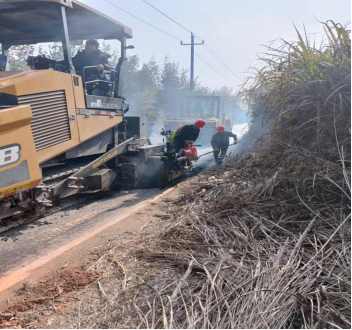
17 57
150 88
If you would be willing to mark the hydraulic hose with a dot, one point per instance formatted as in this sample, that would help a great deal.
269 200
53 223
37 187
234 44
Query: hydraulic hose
210 152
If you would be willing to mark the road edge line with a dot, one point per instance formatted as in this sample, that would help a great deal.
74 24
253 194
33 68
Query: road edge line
22 272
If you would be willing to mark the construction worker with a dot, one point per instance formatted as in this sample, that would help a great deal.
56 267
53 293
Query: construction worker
170 134
174 133
220 143
188 133
90 56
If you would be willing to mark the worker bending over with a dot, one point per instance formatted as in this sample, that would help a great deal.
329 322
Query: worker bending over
188 133
220 143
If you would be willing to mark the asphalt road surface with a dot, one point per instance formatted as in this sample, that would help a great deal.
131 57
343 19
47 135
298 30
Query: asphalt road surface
23 245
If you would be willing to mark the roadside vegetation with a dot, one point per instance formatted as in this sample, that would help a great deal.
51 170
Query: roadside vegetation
264 242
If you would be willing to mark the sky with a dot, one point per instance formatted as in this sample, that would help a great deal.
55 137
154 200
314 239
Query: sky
235 30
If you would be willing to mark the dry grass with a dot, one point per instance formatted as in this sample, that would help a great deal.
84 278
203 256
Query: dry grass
258 258
265 243
246 247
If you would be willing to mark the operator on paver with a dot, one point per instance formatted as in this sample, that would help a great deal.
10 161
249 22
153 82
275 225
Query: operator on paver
90 56
188 133
220 143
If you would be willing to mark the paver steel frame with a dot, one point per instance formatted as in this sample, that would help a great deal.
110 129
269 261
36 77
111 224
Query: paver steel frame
44 114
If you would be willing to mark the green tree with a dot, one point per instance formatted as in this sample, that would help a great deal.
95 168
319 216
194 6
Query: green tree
112 53
131 68
199 89
17 57
174 85
148 104
172 78
151 89
142 87
149 74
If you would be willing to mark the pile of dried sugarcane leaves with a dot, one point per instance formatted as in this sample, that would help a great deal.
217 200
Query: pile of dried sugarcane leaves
263 242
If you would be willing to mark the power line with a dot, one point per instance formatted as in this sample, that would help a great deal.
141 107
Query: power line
207 47
213 68
167 16
212 52
170 35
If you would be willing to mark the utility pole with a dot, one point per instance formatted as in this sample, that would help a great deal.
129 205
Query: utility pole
192 44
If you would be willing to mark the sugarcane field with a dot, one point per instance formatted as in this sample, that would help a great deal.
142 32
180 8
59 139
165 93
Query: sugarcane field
175 164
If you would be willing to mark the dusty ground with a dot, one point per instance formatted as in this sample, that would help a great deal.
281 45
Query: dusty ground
57 268
47 294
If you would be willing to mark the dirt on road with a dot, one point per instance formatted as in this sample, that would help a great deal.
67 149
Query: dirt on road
47 292
234 247
49 265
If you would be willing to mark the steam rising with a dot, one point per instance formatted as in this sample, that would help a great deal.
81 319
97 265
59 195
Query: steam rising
254 134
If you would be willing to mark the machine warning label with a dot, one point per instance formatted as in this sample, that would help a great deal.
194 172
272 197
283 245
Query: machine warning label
13 190
105 159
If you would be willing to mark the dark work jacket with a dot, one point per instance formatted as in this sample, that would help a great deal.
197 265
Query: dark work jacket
188 132
81 59
221 139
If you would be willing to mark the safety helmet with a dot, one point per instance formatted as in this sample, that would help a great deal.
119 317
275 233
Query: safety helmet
179 129
200 123
220 129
